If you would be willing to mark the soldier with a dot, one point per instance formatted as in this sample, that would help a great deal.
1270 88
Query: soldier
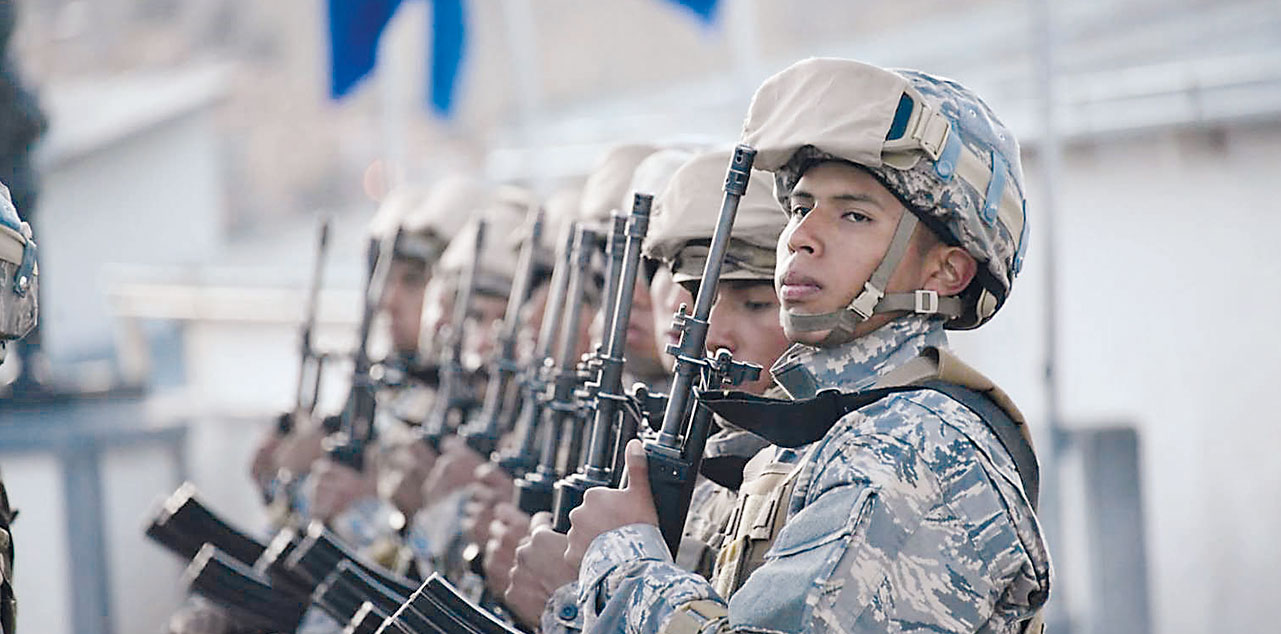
904 198
22 124
446 489
510 525
18 287
744 321
608 188
418 225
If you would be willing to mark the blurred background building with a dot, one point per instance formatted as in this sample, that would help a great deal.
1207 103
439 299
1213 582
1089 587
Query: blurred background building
193 144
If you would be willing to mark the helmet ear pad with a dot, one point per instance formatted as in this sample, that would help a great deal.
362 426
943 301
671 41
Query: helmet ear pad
17 309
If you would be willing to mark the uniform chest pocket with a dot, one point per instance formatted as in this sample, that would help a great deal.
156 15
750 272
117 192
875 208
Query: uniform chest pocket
800 563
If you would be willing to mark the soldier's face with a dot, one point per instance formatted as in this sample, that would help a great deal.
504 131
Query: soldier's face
744 320
483 320
840 223
438 308
402 300
667 296
642 351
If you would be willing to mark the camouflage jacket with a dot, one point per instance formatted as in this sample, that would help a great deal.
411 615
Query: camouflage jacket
907 515
710 509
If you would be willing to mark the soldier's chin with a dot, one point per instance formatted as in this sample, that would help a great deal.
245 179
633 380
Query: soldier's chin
808 337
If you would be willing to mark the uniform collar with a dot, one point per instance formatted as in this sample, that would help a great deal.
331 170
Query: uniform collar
804 370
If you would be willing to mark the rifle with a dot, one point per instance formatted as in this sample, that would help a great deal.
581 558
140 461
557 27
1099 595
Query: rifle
591 367
311 363
525 458
534 491
271 564
436 607
250 598
367 619
606 390
320 553
452 402
348 587
183 525
347 447
497 415
675 455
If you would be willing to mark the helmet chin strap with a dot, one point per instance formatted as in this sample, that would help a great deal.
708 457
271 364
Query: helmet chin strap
872 300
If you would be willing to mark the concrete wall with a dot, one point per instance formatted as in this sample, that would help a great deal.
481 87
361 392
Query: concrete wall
1168 294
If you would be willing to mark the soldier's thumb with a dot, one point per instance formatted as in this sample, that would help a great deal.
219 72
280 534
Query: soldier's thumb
637 466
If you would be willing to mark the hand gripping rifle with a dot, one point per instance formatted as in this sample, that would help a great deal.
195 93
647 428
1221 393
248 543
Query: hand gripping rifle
534 492
675 455
525 457
607 389
498 413
453 399
347 447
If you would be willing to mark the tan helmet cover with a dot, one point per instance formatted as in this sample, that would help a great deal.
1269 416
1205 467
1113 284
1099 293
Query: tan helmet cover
929 140
505 220
653 174
609 182
453 200
395 208
685 214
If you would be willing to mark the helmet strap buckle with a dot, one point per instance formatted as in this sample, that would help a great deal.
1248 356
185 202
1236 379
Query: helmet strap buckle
865 304
927 302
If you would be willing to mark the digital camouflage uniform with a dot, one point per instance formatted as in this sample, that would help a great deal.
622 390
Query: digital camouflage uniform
907 515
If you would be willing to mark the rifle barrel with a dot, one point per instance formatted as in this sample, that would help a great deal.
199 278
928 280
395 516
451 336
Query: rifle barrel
672 461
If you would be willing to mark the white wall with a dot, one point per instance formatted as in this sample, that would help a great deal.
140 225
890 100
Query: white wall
1169 287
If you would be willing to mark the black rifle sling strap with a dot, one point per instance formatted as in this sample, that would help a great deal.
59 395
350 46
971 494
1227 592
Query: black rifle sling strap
798 423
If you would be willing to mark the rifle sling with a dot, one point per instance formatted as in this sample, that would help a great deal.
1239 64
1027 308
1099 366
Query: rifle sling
794 424
727 471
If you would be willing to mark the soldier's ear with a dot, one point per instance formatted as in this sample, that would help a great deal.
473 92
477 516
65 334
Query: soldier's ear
951 269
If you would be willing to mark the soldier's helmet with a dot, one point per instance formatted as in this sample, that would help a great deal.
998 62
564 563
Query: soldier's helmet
685 214
420 222
930 141
18 274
